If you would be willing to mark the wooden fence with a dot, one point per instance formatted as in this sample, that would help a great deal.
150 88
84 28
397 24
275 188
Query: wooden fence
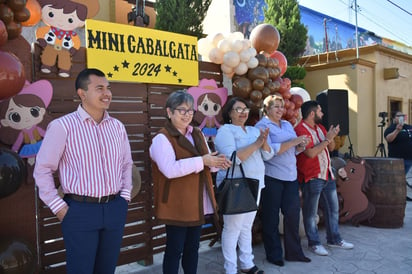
141 108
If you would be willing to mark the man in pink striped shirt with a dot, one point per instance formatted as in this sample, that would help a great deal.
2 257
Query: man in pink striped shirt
91 152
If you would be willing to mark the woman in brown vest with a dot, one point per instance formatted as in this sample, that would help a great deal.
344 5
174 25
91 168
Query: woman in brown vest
183 188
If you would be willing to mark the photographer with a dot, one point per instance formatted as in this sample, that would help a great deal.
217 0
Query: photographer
399 138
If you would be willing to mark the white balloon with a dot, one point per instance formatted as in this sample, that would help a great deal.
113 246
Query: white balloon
237 35
231 59
204 46
244 56
224 45
237 45
215 38
226 69
246 44
302 92
252 63
216 56
241 68
252 51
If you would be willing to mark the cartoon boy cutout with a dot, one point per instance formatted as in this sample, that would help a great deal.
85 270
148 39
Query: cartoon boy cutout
59 39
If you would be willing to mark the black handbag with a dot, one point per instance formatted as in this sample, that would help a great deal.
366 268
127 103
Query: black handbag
237 195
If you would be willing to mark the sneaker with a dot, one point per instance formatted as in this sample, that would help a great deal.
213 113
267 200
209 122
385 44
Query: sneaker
342 244
319 250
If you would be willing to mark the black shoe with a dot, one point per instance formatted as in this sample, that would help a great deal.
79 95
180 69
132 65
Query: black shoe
277 262
300 259
408 199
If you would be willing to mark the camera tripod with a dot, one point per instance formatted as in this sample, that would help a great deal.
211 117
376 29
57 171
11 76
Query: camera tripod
381 147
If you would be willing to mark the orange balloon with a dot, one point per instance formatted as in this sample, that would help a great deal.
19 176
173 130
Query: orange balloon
35 13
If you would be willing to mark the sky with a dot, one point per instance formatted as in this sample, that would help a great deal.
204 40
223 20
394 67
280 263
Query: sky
390 19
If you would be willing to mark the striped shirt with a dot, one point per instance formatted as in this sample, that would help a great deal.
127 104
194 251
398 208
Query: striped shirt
93 159
318 167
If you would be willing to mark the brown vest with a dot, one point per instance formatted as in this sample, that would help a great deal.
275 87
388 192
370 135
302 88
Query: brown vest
179 201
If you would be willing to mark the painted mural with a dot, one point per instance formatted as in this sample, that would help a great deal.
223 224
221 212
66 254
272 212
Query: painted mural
325 34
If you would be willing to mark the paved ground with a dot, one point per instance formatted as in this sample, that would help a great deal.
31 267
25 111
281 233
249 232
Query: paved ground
377 250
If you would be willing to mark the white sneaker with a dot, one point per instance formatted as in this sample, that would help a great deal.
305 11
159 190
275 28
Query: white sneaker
342 244
319 250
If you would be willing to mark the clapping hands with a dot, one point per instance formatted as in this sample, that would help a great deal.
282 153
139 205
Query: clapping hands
216 160
333 131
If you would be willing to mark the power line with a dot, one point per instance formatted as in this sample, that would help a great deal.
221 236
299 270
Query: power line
399 7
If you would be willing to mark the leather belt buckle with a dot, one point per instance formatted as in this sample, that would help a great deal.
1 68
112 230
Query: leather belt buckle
104 199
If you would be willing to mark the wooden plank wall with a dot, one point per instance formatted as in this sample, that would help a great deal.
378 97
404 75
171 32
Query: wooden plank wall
141 108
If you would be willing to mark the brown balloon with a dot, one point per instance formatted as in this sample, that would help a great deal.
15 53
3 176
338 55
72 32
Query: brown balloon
262 59
256 96
271 86
258 84
16 5
22 15
241 87
292 105
271 63
286 104
276 73
272 73
258 73
286 94
3 33
6 14
13 29
265 37
265 92
297 99
12 75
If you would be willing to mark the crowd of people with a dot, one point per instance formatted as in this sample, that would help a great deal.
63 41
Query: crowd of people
90 151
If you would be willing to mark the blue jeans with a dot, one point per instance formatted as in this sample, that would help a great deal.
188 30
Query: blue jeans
320 192
407 164
181 242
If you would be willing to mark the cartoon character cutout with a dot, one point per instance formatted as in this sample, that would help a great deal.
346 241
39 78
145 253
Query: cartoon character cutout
59 39
23 119
209 100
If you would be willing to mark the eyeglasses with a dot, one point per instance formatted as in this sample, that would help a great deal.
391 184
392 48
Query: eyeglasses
242 110
400 115
183 111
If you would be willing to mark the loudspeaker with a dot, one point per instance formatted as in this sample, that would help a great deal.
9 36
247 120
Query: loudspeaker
334 104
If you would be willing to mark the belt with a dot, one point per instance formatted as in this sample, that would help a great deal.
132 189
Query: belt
88 199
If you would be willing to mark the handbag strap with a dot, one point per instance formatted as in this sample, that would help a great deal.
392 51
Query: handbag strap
233 160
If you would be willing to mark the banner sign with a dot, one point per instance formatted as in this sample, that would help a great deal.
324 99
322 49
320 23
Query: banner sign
136 54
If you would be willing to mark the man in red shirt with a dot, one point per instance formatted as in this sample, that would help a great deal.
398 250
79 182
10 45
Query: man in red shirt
317 180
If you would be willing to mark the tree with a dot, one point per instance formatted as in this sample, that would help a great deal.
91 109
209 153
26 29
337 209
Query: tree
285 16
181 16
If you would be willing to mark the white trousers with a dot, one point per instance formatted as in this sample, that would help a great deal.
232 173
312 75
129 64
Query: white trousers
237 231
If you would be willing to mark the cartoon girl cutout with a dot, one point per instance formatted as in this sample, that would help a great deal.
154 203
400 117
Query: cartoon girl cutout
209 100
23 119
59 39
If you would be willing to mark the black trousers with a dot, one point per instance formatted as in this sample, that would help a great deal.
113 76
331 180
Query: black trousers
281 195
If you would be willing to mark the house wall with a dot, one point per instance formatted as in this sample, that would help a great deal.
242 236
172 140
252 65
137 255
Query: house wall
368 91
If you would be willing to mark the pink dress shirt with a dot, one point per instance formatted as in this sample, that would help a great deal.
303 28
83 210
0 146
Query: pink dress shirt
93 159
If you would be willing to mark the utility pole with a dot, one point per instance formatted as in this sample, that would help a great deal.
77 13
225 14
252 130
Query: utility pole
356 30
326 35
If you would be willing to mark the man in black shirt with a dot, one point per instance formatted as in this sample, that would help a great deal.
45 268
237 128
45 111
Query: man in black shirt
399 138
